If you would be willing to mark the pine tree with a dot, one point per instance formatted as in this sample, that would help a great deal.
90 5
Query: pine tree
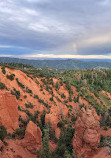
37 153
67 154
45 145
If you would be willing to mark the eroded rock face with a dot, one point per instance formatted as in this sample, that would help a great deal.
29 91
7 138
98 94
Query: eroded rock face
55 116
8 111
52 146
15 150
33 138
87 133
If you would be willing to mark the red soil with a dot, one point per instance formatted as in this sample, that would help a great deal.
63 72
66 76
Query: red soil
87 136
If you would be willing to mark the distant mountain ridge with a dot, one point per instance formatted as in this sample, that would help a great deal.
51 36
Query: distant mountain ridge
59 63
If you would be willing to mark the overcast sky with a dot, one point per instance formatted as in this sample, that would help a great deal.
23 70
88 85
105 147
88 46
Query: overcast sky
55 28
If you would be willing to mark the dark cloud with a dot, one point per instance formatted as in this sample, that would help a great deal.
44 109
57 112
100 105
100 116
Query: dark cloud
55 26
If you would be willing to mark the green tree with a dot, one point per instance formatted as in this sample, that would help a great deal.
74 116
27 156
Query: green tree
45 145
67 154
3 70
37 153
3 132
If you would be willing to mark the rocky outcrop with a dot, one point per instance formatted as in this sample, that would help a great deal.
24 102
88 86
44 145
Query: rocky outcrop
33 138
52 146
103 153
25 148
15 150
8 111
87 133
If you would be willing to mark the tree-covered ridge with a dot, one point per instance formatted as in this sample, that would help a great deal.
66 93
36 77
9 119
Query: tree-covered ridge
59 63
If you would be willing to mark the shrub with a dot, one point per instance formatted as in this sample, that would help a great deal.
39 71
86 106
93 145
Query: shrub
3 132
32 117
25 96
105 128
44 81
57 86
45 104
19 132
19 108
3 70
37 153
52 135
2 85
19 83
2 147
61 82
105 141
63 96
73 119
51 99
37 82
29 105
24 123
28 90
41 123
108 121
11 77
60 124
36 96
58 98
67 154
70 98
35 116
16 93
65 101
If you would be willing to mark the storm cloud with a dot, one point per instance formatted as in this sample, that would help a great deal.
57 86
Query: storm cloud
58 27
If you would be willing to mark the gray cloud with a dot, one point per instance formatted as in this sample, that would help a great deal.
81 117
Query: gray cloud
56 26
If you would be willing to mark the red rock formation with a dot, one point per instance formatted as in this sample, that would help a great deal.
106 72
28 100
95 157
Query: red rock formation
15 150
25 148
8 111
52 146
103 153
33 138
87 133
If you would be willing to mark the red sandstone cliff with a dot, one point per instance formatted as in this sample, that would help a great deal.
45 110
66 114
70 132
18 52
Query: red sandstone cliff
33 138
8 111
87 135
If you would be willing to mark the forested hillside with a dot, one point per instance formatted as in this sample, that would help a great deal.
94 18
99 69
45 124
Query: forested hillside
59 64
